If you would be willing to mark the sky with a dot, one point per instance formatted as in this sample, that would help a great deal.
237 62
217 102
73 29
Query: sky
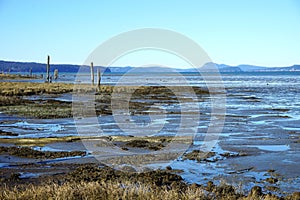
263 33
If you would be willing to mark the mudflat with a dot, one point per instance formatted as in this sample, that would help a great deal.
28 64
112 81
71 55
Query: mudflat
40 146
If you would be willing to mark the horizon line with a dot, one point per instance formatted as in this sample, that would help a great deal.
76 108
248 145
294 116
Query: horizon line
176 67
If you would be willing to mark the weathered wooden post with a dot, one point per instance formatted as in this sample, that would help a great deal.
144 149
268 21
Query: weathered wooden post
92 73
98 78
48 70
30 72
55 74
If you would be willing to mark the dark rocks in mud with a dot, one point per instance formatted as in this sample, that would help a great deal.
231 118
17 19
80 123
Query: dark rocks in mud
218 192
145 144
4 133
272 180
256 191
95 173
199 155
28 152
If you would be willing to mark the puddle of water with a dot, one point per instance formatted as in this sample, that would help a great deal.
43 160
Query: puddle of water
271 147
4 165
35 126
46 148
29 175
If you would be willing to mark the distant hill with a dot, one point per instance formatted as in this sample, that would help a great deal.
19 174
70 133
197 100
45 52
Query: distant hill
10 66
6 66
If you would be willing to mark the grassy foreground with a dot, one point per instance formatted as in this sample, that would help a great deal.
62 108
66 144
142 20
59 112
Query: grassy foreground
92 182
111 190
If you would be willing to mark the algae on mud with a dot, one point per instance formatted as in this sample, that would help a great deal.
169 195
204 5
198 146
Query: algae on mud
27 152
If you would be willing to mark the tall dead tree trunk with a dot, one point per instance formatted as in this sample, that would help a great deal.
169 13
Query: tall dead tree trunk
92 73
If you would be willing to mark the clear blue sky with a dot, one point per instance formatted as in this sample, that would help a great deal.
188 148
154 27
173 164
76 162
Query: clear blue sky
232 32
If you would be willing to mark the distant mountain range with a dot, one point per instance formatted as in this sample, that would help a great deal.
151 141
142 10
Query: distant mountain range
11 66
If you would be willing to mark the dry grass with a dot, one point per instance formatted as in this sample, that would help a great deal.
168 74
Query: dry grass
92 182
28 88
111 190
96 190
40 111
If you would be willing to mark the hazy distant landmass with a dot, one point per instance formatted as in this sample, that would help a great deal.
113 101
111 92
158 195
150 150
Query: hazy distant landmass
12 66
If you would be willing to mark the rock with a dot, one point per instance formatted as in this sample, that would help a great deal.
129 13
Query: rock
295 196
210 186
272 180
255 191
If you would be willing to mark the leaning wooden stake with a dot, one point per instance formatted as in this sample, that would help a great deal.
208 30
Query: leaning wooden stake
48 70
92 73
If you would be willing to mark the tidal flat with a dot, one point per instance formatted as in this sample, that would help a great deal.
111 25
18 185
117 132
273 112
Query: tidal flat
256 155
